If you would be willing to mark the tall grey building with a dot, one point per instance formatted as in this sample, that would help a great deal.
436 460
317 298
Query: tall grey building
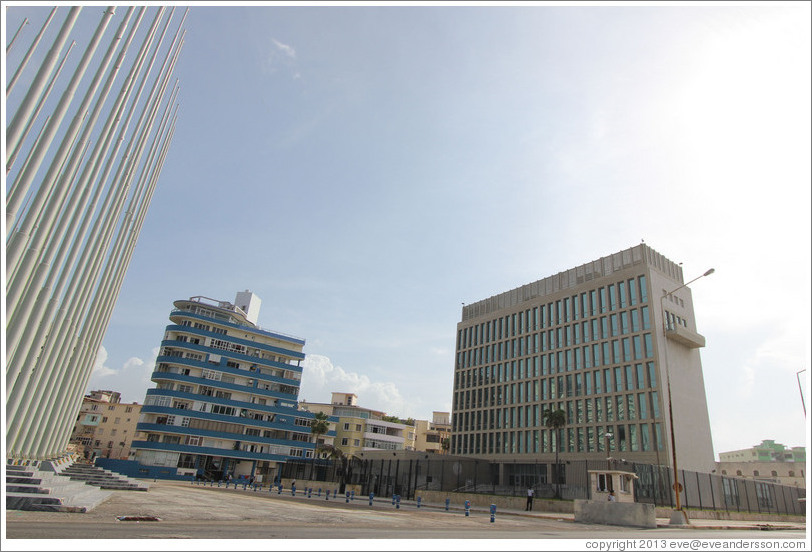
592 342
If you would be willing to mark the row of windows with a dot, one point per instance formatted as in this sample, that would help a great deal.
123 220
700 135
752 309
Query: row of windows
625 438
590 332
589 303
546 388
632 406
96 407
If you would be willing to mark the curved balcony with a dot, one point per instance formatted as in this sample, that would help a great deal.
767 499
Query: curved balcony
242 327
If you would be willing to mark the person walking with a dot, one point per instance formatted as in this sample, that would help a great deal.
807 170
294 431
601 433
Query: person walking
530 494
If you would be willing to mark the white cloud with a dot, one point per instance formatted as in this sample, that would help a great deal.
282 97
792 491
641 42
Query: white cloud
99 368
320 378
285 49
281 55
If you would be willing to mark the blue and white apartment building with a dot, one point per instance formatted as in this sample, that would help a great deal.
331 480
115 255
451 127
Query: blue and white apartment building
226 400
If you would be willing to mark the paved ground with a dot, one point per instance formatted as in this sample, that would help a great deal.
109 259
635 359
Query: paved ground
194 512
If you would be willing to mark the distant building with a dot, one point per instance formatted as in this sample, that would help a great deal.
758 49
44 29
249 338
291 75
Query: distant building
767 451
785 473
430 435
105 426
359 428
767 461
598 342
226 396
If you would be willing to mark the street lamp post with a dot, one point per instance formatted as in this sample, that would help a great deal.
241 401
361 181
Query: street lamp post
800 389
678 516
608 436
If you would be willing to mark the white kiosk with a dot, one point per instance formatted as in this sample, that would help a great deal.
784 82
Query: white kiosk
612 501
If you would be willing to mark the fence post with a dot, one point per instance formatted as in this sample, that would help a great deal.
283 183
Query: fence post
698 491
713 498
409 481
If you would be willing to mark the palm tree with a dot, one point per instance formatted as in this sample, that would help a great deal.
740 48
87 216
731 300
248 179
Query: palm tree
556 419
318 426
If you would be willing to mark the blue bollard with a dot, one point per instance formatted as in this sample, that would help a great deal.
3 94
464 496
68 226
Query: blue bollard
218 483
244 485
346 497
293 490
352 495
447 502
335 493
393 499
279 489
467 508
319 495
493 512
371 496
255 487
419 498
309 492
327 495
398 503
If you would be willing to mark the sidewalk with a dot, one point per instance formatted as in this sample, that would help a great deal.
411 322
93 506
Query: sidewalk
384 502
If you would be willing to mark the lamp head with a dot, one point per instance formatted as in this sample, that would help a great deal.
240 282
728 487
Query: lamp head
709 272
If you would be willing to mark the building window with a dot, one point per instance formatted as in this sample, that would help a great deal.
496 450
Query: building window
755 473
346 427
344 441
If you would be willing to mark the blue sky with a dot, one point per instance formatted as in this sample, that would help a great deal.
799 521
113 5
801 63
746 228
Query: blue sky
366 170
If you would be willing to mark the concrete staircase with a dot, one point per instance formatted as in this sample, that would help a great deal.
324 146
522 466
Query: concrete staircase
104 479
28 487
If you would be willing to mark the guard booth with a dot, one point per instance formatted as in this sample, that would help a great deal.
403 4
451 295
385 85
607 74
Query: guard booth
623 510
602 482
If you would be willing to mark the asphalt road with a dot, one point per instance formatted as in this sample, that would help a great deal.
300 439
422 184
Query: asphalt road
191 512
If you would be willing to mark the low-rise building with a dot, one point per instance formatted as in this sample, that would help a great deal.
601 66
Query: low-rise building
433 436
360 428
105 427
767 461
767 451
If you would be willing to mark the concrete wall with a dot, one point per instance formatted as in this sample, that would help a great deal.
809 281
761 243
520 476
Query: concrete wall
502 502
736 516
615 513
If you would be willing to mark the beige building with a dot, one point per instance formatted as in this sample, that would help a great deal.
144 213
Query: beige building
767 461
430 435
784 473
360 428
105 426
597 341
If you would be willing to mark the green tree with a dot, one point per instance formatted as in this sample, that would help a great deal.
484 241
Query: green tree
555 420
446 445
318 427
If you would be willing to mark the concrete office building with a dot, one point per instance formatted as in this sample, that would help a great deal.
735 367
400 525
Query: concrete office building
226 395
591 341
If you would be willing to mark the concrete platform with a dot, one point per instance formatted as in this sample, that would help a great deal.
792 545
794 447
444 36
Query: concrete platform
188 511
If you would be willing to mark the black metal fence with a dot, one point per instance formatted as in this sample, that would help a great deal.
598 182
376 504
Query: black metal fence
403 476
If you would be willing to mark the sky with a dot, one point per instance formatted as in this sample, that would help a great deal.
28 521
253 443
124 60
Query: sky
366 170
